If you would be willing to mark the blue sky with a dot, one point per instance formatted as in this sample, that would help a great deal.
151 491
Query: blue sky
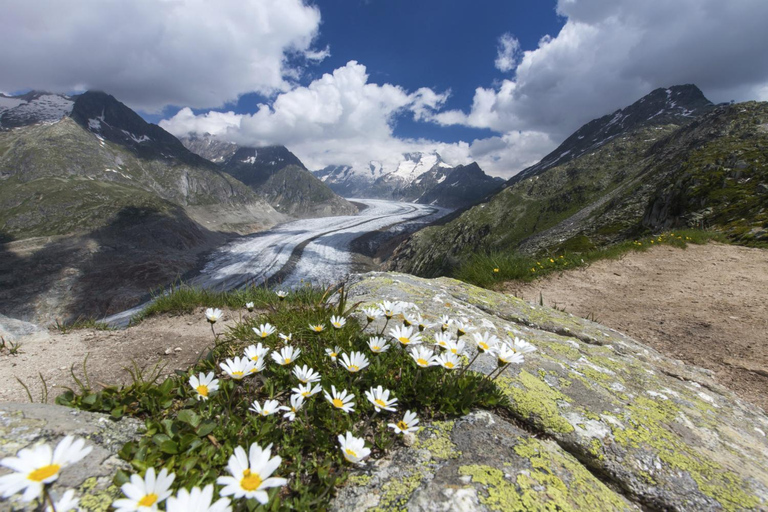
500 82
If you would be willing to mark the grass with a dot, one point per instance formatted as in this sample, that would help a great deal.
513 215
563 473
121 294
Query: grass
194 439
491 270
81 323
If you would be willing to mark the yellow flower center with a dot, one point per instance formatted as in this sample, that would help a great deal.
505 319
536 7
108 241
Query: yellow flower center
202 389
401 425
337 325
422 362
375 348
238 374
454 351
148 500
255 359
404 340
264 334
287 360
353 368
305 394
483 346
44 472
318 328
250 481
351 453
380 403
334 354
448 364
338 403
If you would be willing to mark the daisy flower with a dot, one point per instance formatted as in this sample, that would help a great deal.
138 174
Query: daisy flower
287 355
256 352
423 357
333 353
145 493
522 346
297 402
407 424
462 328
405 335
249 306
409 319
443 339
33 468
353 448
270 407
508 355
456 347
286 337
66 503
264 330
338 321
258 366
378 344
238 367
354 362
212 315
251 474
341 400
204 385
445 323
422 323
390 309
379 397
485 342
306 390
448 360
371 314
316 328
281 294
306 374
196 500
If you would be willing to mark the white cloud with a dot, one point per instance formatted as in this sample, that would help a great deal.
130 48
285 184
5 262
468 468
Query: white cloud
507 53
611 52
195 53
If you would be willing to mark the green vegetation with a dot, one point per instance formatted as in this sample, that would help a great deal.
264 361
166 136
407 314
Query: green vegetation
194 439
81 323
490 270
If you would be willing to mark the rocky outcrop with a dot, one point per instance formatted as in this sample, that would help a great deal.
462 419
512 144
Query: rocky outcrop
597 421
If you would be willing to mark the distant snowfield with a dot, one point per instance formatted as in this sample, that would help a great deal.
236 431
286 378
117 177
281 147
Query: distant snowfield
323 244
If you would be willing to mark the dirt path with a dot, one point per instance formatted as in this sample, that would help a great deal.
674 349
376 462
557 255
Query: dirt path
173 341
706 305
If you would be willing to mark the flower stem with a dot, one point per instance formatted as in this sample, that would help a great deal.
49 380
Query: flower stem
463 370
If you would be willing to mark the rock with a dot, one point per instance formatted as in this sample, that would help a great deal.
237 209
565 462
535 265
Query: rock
26 425
13 330
660 434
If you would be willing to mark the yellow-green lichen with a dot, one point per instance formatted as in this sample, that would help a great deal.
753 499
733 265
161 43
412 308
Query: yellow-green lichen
649 420
359 480
537 400
436 438
94 500
396 493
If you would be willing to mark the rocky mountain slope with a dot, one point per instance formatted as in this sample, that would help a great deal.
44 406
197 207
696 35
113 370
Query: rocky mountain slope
274 173
128 206
420 177
690 165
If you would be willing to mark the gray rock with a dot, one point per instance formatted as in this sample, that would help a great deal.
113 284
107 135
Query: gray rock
13 330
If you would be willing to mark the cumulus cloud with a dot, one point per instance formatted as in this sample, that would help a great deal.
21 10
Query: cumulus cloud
611 52
507 53
195 53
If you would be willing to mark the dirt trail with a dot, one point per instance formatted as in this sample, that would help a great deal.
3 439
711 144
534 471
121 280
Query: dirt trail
706 305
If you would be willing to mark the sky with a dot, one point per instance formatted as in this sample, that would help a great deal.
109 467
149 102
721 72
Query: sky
500 82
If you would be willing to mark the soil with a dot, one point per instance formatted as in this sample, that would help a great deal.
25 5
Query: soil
705 305
173 341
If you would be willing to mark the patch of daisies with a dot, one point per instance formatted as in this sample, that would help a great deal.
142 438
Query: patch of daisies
439 345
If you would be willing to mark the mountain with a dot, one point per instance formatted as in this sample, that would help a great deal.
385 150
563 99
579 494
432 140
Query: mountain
100 192
33 107
276 174
693 164
419 177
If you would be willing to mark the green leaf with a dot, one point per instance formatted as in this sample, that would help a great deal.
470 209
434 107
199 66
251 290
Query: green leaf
169 447
189 417
206 428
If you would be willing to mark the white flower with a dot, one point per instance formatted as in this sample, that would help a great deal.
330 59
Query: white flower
378 344
407 424
256 352
35 467
353 448
456 347
297 402
306 374
405 335
286 337
423 357
213 314
462 328
316 328
379 397
448 360
144 494
264 330
195 500
338 321
522 346
371 314
66 503
409 319
354 362
249 306
507 355
341 400
238 367
250 474
306 390
203 385
445 322
422 323
287 355
443 339
258 366
390 309
485 342
333 353
270 407
281 294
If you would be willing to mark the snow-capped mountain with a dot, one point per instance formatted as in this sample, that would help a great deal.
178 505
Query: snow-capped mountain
32 108
348 181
